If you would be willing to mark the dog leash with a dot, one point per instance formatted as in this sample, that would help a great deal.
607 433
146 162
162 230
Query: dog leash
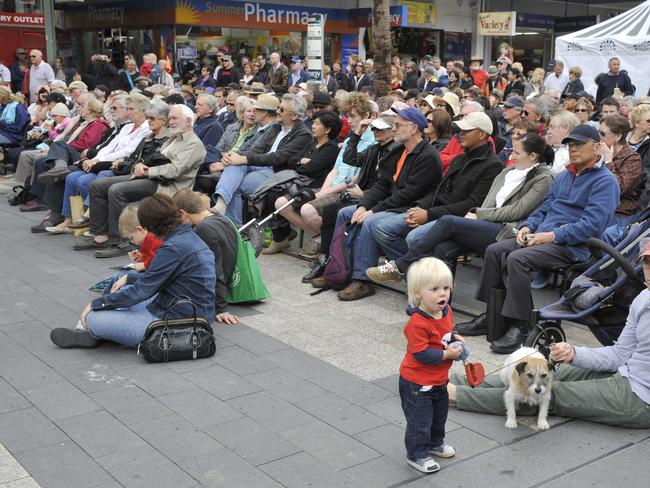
510 364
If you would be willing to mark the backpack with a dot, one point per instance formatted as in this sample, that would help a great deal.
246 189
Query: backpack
338 271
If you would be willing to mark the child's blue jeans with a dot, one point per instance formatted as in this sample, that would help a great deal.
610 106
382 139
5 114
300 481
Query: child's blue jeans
426 415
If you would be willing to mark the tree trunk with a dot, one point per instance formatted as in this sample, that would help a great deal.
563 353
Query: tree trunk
382 42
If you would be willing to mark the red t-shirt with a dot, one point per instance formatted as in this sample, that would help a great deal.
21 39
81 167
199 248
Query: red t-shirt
426 333
148 249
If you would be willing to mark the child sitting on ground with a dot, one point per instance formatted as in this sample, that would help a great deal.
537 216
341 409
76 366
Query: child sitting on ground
220 235
424 371
130 229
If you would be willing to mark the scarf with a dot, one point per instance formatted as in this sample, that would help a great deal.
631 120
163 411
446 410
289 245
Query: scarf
8 115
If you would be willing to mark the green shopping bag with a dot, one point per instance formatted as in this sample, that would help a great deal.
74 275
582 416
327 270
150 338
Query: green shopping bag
246 284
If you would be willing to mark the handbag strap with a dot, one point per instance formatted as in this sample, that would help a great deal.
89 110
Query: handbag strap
179 300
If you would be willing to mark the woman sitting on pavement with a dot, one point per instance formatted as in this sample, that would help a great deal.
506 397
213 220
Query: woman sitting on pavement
609 385
515 193
220 235
182 266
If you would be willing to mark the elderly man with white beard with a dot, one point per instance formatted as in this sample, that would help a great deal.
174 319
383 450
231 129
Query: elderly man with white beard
176 169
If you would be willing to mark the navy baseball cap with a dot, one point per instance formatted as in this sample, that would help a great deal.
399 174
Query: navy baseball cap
295 59
412 115
582 133
514 101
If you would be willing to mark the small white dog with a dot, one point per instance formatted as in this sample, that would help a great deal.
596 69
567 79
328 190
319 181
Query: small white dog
528 379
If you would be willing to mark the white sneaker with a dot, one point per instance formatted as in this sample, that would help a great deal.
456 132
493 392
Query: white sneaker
444 451
427 465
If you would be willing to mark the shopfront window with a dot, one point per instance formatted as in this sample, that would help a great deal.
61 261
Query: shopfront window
22 7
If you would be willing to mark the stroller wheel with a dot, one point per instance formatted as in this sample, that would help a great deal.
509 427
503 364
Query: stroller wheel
543 335
255 235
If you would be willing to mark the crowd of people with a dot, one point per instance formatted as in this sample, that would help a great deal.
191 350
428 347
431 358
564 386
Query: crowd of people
519 167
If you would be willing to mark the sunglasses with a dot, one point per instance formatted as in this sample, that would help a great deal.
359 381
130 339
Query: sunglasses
582 110
230 104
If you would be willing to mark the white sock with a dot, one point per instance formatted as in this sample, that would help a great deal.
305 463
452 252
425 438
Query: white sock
219 207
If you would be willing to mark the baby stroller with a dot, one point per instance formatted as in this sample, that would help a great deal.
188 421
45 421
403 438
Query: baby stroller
600 297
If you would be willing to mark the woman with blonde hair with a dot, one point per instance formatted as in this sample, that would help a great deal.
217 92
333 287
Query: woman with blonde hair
536 84
14 117
396 77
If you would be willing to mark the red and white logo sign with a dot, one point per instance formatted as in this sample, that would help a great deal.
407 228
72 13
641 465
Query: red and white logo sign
23 20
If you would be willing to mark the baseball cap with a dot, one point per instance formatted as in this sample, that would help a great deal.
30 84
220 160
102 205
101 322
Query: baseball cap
429 70
476 120
514 102
412 93
20 50
295 59
321 98
267 102
582 133
56 97
382 123
413 115
60 109
492 71
226 57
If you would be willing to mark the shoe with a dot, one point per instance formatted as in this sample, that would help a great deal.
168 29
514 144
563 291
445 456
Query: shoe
68 338
474 327
317 270
277 247
540 280
89 243
80 224
385 273
122 249
444 451
356 290
59 229
311 251
49 221
510 342
427 465
33 206
53 175
319 282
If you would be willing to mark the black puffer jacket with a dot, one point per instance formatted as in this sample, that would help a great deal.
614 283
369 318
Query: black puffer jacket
369 160
465 185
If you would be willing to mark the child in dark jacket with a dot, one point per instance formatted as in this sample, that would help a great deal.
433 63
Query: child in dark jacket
424 371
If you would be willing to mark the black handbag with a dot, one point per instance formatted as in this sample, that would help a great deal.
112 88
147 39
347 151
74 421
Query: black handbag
177 339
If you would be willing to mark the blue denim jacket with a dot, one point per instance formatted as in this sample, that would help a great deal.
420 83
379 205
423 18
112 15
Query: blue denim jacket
182 266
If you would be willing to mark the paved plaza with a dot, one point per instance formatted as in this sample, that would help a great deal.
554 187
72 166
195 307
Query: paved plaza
303 393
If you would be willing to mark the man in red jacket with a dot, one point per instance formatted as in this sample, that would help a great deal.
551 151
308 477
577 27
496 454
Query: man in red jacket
477 72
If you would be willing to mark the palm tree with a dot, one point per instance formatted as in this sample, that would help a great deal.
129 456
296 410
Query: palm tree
382 42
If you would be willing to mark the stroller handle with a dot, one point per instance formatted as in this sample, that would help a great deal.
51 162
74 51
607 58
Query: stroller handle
598 247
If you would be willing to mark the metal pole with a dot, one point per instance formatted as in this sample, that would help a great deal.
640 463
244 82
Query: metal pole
50 30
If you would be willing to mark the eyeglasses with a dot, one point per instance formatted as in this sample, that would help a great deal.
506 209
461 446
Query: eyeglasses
582 110
524 113
115 108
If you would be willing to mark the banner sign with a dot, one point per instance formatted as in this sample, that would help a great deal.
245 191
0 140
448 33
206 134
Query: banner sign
497 23
420 13
315 45
572 24
22 20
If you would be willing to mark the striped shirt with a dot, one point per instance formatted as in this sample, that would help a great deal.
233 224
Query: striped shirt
39 75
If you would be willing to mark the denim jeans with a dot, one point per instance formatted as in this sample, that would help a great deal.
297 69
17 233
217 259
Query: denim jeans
117 276
426 415
123 325
449 236
395 237
239 182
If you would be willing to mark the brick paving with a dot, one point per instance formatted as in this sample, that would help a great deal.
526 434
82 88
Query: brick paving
302 394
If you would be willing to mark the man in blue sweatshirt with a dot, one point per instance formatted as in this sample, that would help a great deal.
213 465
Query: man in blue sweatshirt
579 205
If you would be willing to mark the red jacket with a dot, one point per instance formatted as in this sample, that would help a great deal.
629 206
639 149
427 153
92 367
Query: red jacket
148 249
90 135
452 150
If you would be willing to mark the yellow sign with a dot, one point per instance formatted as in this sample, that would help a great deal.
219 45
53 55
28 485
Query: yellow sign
497 23
419 12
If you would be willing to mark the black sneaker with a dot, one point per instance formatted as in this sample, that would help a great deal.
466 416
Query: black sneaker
89 243
49 221
69 338
122 249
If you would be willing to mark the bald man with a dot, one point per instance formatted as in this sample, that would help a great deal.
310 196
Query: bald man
40 74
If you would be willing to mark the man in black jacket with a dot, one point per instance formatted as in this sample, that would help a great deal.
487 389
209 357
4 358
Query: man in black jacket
464 187
411 168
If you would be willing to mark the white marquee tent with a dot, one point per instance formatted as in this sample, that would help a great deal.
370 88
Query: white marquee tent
626 36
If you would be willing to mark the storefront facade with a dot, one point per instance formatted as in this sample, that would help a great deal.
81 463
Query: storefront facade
193 29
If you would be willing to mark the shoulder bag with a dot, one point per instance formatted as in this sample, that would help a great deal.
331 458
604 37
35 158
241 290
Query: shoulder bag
177 339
